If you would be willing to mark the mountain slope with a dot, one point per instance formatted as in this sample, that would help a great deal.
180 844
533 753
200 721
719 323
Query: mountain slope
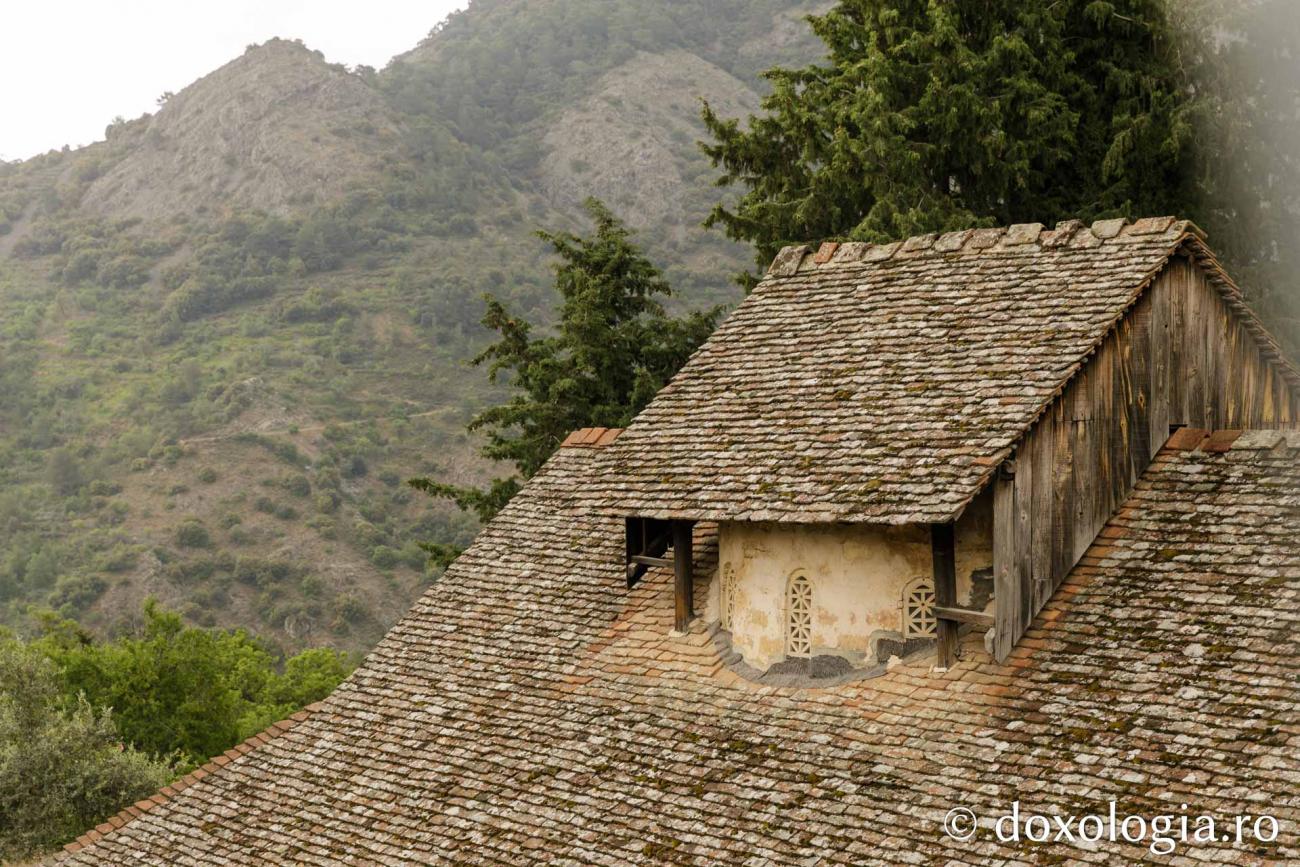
273 129
631 141
229 332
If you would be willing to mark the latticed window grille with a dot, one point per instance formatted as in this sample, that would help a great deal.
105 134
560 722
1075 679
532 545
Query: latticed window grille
728 595
798 604
918 609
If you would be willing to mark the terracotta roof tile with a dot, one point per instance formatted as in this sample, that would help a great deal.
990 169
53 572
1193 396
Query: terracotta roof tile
825 252
1221 441
597 437
608 436
1186 438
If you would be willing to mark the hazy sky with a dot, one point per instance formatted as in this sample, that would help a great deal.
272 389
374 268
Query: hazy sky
68 67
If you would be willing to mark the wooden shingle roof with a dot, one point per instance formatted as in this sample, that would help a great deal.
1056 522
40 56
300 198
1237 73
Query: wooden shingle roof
884 383
531 709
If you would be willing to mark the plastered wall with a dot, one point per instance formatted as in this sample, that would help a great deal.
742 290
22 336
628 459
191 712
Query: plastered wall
858 574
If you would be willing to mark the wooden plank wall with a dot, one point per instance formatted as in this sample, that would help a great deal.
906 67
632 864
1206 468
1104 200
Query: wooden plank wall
1181 357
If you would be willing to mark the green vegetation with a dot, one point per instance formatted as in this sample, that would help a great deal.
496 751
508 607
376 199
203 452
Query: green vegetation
88 727
101 487
499 68
939 116
63 766
932 117
186 692
612 350
160 380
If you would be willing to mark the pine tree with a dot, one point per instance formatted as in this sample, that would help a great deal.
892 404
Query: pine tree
612 349
934 116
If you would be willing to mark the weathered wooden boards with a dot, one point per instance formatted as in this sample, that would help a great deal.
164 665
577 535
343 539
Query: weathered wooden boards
1181 356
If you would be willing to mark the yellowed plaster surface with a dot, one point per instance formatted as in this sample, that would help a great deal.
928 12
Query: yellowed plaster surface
858 574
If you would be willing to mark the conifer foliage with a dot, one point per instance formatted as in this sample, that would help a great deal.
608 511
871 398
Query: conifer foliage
612 349
935 116
1240 57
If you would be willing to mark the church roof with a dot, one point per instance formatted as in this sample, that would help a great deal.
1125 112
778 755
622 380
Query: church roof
885 383
530 708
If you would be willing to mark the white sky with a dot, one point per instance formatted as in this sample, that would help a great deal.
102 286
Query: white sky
68 67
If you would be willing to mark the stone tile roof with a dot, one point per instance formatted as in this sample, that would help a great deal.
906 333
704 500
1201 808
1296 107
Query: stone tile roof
532 709
176 786
884 383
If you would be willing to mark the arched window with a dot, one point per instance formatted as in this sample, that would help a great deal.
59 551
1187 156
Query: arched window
728 599
798 616
918 609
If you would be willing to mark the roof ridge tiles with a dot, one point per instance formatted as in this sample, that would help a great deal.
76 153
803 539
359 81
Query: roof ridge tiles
797 258
592 437
1221 441
1261 439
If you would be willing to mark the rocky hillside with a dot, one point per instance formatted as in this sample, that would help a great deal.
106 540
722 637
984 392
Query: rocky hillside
276 129
230 331
631 141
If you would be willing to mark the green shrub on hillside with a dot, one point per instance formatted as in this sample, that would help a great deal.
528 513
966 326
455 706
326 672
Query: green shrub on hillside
63 765
192 534
185 690
73 594
103 488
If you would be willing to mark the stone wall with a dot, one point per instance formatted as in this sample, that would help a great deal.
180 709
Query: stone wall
858 575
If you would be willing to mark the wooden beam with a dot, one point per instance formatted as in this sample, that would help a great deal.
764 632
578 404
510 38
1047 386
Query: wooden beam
644 560
646 538
943 549
965 615
683 580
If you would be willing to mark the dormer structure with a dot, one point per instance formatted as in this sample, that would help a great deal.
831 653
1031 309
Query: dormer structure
897 440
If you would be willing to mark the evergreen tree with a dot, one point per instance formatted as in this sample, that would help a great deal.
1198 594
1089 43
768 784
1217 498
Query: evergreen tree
613 348
935 116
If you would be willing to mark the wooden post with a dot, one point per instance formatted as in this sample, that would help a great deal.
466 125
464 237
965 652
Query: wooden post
943 547
1007 599
683 579
647 542
634 536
